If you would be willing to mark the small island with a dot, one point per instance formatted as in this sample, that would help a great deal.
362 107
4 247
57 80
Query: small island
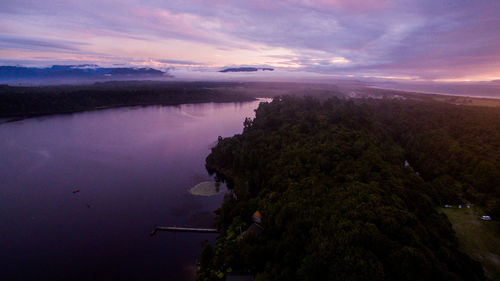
246 69
208 188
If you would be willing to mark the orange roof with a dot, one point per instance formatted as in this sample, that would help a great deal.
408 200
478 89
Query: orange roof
258 214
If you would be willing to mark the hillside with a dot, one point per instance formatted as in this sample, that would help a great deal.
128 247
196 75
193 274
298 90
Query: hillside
79 72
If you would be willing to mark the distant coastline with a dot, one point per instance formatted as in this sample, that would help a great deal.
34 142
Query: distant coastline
27 101
454 94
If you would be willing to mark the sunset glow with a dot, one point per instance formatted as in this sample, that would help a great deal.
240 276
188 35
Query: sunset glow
422 40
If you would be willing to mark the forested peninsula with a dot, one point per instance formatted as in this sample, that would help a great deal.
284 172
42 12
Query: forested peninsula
17 101
350 190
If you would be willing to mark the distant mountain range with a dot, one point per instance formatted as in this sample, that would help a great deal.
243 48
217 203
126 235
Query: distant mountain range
246 69
84 71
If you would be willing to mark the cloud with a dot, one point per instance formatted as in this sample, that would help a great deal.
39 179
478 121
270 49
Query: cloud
180 62
8 41
423 39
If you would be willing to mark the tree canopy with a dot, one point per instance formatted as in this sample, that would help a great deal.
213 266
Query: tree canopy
338 201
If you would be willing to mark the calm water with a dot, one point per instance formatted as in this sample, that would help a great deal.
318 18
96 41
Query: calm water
133 167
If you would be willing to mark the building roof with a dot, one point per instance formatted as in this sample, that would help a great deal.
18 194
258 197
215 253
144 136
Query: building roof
258 214
253 229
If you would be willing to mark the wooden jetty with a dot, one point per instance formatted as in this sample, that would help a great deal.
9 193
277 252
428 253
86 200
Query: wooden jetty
183 229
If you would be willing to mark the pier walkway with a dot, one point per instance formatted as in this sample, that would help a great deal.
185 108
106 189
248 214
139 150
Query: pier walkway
183 229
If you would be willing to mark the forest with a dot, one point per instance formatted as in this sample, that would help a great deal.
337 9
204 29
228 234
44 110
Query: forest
18 101
348 189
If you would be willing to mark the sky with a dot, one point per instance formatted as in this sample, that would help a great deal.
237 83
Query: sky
421 40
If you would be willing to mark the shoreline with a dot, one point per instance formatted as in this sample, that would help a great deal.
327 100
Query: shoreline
15 118
27 102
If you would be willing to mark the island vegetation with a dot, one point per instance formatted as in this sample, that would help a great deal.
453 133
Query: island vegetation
350 189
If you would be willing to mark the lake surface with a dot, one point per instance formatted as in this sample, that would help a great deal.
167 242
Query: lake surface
133 168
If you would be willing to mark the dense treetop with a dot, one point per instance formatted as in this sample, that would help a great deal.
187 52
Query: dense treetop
338 201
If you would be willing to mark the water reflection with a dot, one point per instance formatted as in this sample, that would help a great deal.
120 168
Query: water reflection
133 167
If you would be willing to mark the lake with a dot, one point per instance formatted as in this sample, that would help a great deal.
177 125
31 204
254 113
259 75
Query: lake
80 193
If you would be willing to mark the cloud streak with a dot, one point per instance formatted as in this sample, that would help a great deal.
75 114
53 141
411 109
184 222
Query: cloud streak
409 38
8 41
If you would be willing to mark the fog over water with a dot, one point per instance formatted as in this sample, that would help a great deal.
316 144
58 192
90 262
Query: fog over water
80 193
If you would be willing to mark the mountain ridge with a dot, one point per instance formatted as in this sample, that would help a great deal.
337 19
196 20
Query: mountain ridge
83 71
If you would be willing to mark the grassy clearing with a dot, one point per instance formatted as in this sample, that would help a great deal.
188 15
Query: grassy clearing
480 239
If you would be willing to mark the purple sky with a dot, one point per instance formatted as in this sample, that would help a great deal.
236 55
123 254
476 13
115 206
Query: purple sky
438 40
